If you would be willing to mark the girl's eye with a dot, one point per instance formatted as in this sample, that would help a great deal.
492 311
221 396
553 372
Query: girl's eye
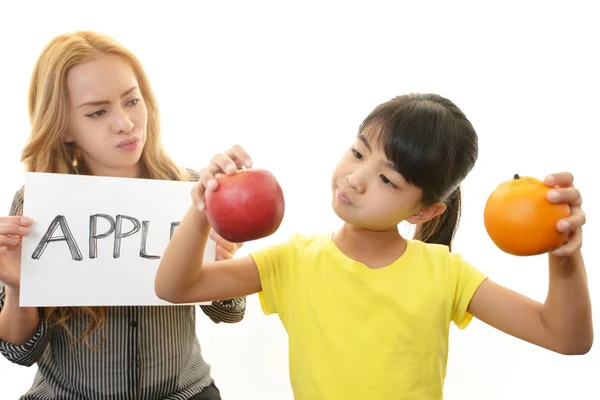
96 114
133 102
357 154
386 181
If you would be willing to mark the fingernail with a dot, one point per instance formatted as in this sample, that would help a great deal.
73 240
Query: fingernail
211 184
200 205
3 249
25 220
550 180
230 169
212 235
563 226
553 195
248 162
23 230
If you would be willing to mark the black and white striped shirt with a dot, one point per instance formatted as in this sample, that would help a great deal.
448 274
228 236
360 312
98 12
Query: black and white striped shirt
149 352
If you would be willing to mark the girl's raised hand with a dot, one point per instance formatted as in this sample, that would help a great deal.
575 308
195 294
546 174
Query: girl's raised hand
565 192
228 163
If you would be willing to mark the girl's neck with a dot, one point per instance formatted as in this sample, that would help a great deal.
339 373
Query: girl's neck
372 248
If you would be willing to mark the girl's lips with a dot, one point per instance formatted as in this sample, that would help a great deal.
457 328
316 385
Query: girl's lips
341 196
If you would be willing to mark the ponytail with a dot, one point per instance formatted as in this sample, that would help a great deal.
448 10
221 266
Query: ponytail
441 229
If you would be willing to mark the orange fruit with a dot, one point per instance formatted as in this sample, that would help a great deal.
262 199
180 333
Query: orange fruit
520 220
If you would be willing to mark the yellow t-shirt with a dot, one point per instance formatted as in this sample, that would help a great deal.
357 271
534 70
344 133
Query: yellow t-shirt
361 333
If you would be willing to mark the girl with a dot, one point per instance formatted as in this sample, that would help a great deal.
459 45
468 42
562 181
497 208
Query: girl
93 112
366 310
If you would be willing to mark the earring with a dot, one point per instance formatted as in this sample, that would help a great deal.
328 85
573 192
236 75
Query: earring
75 161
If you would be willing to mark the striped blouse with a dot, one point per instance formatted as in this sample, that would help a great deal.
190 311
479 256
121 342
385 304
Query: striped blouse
148 352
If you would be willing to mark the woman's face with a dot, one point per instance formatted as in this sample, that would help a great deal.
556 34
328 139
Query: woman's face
107 116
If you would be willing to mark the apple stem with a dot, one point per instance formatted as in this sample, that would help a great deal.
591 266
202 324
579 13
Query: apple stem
517 176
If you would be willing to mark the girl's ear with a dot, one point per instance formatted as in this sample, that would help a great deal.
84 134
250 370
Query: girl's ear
426 213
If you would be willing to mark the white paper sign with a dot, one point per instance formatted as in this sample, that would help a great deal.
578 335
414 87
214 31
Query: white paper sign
97 241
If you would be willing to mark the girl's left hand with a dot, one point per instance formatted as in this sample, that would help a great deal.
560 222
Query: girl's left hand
565 192
225 250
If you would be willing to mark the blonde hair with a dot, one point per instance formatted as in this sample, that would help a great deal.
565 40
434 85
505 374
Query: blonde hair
46 151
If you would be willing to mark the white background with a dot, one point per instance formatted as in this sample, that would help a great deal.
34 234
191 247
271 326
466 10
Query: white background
292 81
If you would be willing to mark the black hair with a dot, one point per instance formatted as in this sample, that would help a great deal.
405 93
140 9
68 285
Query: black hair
434 146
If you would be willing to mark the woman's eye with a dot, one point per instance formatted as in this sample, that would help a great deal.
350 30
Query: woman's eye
133 102
386 181
97 114
357 154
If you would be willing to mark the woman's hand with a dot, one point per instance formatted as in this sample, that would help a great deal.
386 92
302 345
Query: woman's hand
225 249
12 230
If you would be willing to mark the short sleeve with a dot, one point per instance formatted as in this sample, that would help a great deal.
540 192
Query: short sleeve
273 268
467 278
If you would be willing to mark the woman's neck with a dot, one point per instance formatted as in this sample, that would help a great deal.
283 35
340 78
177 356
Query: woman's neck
129 172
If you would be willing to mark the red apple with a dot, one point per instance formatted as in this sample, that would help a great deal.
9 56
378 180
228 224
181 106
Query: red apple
247 205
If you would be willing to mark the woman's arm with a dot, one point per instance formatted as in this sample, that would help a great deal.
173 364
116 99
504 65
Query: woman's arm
17 324
229 311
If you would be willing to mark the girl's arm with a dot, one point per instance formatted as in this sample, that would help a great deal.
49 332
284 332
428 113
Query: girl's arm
563 323
182 277
229 311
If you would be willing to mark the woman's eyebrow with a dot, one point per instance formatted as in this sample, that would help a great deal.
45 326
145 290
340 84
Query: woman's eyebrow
101 102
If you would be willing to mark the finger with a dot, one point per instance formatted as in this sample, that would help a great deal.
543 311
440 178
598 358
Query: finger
225 163
240 155
13 229
575 221
6 240
559 179
229 246
216 237
209 181
3 249
16 219
222 254
198 196
569 195
573 245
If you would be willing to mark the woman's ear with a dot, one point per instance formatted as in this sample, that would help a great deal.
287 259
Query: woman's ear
68 138
424 214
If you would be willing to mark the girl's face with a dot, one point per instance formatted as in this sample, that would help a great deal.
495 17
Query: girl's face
369 193
107 116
